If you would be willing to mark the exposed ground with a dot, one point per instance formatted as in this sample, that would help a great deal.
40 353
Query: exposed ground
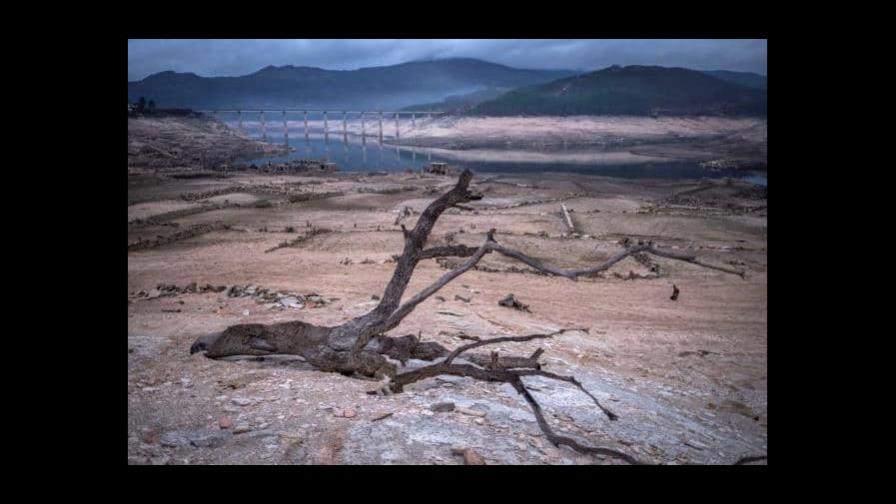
737 141
688 378
195 141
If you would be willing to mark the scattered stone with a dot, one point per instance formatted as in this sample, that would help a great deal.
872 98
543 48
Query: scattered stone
240 429
471 412
511 302
225 422
149 435
442 407
385 415
345 413
291 302
241 401
458 297
469 455
674 293
245 313
203 438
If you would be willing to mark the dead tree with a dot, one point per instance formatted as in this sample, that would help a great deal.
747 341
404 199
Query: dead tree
360 347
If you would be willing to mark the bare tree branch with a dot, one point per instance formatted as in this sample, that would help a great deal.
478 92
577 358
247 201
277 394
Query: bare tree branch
746 460
447 251
569 379
558 440
470 346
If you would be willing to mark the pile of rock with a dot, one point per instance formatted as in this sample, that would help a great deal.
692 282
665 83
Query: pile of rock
439 169
191 232
275 300
294 166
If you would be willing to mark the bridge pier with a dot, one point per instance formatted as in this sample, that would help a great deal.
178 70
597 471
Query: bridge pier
264 133
305 113
413 121
326 130
285 129
381 129
396 126
239 114
363 133
344 128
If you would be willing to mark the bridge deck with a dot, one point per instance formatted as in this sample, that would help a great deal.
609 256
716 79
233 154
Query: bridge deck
337 111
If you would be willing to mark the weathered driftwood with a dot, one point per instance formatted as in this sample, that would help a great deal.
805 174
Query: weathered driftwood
568 219
359 347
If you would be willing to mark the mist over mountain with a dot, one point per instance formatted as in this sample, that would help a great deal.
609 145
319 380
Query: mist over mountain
747 79
386 87
460 103
637 90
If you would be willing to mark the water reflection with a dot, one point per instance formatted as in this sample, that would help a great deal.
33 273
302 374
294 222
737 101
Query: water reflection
314 143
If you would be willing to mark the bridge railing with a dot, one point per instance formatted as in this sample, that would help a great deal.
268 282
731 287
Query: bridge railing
397 114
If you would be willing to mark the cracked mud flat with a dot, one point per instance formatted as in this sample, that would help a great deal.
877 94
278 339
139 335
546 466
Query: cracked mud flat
687 378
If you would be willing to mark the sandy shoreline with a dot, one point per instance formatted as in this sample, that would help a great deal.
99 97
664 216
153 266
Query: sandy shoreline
741 141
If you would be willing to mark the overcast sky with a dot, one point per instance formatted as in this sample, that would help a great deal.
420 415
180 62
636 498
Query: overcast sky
240 57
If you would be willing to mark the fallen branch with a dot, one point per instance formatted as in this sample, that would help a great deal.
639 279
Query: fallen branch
568 219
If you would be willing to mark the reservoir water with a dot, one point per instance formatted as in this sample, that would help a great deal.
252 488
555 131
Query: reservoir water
352 152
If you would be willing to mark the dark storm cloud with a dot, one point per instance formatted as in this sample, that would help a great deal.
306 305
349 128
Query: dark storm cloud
241 57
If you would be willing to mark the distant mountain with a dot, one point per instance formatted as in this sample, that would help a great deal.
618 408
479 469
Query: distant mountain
632 90
748 79
387 87
460 103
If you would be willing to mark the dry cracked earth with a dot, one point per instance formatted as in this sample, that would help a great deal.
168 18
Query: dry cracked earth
688 378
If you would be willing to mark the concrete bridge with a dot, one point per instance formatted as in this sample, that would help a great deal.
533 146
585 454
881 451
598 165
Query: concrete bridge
378 114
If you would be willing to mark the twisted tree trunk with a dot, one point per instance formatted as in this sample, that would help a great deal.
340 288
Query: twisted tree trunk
359 346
